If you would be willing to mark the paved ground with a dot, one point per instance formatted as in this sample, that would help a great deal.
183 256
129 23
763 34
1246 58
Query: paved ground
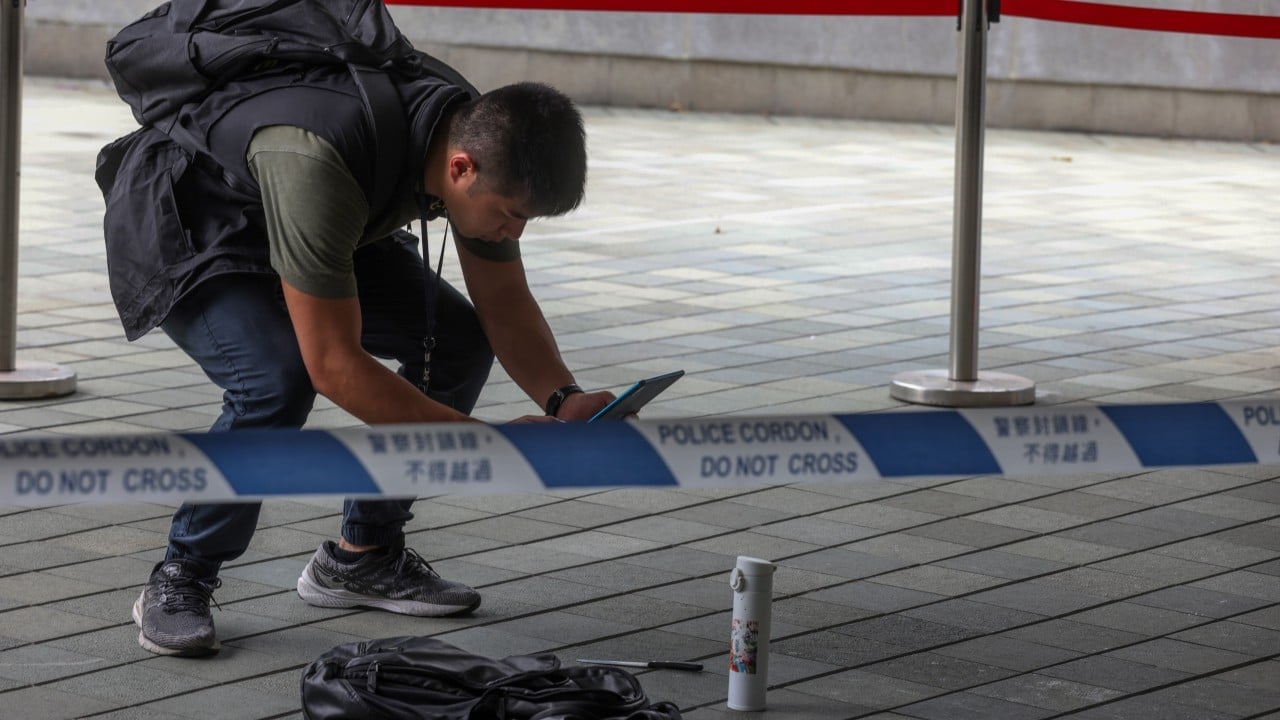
789 265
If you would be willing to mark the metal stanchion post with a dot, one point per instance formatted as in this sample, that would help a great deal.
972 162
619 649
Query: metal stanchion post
962 385
18 380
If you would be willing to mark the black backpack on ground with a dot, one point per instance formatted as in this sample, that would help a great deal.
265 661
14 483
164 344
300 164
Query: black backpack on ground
421 678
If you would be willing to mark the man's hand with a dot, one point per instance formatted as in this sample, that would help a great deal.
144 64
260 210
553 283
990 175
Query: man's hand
328 331
526 419
581 406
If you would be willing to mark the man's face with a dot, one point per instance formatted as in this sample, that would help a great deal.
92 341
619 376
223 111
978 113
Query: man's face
477 212
487 216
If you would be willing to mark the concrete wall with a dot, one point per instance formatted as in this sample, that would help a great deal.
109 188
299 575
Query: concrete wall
1042 75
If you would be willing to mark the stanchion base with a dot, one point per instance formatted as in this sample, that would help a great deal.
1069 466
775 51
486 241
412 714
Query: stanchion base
34 380
935 387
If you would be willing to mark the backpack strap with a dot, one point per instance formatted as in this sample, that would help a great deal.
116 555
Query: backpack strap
386 117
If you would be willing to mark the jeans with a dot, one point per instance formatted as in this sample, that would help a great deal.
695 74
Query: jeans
237 328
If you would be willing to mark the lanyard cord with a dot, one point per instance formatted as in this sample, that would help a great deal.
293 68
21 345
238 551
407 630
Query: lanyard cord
431 286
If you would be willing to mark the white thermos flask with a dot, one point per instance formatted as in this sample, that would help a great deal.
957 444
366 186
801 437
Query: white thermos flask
752 583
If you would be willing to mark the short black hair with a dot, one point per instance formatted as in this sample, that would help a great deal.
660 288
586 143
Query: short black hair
527 141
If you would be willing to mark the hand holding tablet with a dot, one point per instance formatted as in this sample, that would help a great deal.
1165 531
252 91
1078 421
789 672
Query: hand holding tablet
637 396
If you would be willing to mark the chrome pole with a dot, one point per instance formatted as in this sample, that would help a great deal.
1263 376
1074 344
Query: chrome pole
18 380
10 142
966 226
963 385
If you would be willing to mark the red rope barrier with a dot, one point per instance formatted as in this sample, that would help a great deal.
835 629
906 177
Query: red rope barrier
1068 11
740 7
1141 18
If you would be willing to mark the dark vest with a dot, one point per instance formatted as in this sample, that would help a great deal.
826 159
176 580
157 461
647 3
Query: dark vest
182 208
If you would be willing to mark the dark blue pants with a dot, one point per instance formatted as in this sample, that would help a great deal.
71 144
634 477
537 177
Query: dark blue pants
236 327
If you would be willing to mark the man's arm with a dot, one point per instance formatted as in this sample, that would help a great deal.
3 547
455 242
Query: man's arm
328 331
520 335
315 212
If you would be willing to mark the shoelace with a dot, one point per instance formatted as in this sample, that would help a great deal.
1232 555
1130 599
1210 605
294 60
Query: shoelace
410 561
183 594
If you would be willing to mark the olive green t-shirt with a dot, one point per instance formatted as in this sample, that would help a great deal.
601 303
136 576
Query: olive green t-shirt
316 212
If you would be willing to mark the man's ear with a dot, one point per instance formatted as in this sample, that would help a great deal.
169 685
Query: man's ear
462 168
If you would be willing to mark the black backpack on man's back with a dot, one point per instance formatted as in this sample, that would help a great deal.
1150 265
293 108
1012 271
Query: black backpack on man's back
171 63
185 49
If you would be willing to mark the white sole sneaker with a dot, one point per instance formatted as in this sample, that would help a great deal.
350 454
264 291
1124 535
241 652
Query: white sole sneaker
160 649
313 593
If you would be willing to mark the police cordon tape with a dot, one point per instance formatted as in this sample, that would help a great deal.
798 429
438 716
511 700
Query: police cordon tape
474 458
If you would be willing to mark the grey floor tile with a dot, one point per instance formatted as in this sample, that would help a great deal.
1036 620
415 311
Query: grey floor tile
835 649
1047 692
905 631
651 643
49 702
646 611
940 671
1122 535
710 594
1149 707
617 577
674 530
228 666
1039 597
970 706
753 544
1229 548
908 548
689 688
998 563
227 701
1132 617
1198 601
1250 584
1176 520
939 580
1260 675
880 516
1063 550
938 502
974 616
1181 656
1085 505
1159 567
874 596
132 684
1111 672
847 564
969 532
31 664
730 515
1268 617
787 704
1236 637
1007 652
867 689
1213 695
684 560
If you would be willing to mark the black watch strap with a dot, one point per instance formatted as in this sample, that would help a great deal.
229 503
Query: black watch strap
557 398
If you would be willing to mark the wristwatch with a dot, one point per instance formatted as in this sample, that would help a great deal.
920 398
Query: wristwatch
557 398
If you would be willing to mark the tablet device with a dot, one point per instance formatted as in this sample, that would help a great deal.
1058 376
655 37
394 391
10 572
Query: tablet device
636 396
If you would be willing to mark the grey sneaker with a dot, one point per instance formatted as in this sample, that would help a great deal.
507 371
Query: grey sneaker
396 579
173 611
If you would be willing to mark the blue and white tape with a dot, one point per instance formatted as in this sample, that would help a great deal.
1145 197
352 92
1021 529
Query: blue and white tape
458 458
